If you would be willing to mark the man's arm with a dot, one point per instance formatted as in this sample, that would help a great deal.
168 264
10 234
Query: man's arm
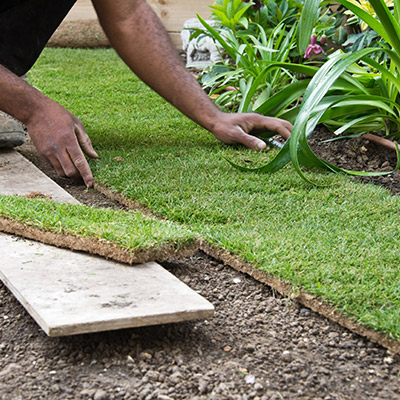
57 135
138 36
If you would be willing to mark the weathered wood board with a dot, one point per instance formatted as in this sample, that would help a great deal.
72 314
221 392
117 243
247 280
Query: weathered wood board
18 176
70 293
173 13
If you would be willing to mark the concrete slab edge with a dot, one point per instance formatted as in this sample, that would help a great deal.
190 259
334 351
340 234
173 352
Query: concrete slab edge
123 323
31 310
126 323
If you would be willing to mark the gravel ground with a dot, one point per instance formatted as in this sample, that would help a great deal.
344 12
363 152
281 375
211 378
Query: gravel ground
258 346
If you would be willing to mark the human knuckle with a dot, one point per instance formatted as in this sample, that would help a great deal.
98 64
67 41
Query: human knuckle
70 172
79 162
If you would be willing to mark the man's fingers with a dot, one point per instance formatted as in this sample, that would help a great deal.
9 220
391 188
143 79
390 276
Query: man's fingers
252 142
81 166
56 165
84 141
278 125
284 128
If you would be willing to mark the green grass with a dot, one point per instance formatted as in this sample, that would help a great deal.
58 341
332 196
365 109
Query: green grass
340 242
129 230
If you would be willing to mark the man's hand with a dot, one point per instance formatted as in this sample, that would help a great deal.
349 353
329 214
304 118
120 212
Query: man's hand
57 135
61 139
241 128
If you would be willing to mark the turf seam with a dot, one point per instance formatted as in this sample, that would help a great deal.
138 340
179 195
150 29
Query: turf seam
130 204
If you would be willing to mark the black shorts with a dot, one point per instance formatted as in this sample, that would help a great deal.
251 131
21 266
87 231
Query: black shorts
25 28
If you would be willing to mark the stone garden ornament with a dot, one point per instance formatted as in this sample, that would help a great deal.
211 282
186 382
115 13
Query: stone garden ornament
201 51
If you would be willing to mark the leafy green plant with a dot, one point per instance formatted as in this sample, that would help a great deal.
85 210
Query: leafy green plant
375 105
249 54
349 93
254 39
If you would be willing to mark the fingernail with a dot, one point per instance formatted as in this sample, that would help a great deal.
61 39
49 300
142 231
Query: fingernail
261 146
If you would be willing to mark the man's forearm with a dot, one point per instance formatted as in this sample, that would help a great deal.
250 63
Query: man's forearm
140 39
18 98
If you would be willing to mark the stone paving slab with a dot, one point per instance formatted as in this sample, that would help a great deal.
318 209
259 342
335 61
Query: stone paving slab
19 176
71 293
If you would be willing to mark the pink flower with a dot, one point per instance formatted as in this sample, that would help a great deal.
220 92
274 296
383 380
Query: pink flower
313 49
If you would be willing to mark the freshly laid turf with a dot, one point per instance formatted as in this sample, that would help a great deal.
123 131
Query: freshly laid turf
128 230
340 241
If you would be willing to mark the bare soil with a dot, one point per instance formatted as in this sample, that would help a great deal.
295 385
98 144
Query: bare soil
259 345
79 34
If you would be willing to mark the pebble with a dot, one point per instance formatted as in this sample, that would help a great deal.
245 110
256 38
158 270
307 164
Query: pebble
100 395
203 386
8 369
305 312
287 356
164 397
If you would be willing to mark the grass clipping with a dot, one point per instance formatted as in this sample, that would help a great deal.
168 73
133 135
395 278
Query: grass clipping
128 237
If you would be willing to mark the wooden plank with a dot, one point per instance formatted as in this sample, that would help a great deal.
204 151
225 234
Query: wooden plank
173 13
71 293
18 176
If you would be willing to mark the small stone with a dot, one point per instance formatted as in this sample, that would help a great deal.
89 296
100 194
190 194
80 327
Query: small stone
163 397
249 347
100 395
250 379
9 368
258 387
227 349
287 356
305 312
203 386
145 356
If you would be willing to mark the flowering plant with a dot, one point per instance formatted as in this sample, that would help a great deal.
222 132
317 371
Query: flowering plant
350 92
257 4
314 49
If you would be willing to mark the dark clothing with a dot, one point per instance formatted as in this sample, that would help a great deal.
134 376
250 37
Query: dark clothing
25 28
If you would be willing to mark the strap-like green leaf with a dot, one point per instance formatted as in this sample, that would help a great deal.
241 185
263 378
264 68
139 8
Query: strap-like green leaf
389 24
217 37
308 18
